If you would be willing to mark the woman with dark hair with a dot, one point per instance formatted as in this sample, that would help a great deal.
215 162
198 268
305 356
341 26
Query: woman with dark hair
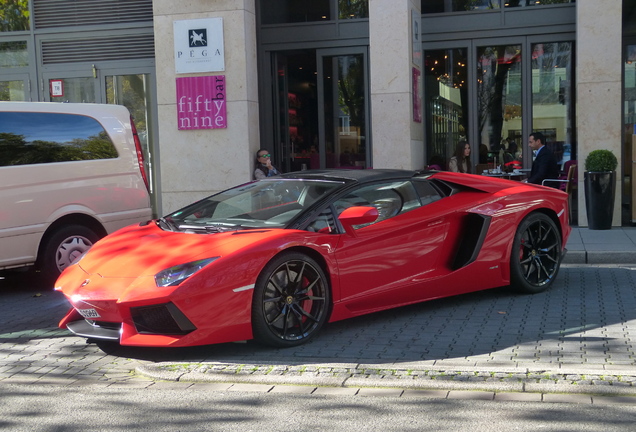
460 162
264 167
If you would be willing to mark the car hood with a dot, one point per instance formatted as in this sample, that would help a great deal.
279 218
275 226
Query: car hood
138 251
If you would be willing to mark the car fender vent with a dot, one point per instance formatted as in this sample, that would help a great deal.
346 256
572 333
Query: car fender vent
473 230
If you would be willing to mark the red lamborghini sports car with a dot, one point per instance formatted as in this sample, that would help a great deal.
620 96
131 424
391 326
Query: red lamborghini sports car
275 259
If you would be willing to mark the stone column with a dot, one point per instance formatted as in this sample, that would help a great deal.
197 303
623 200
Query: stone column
195 163
398 140
598 92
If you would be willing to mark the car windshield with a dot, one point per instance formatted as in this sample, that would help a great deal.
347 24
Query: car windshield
268 203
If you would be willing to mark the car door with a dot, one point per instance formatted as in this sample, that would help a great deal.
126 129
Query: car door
387 262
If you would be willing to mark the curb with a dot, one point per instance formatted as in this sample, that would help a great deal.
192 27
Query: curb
599 257
590 381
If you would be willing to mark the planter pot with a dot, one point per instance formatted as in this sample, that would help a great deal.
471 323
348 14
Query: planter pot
600 188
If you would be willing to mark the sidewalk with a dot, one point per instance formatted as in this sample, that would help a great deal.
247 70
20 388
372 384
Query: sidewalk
613 246
569 344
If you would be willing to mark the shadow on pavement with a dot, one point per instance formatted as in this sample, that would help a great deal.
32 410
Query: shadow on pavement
587 317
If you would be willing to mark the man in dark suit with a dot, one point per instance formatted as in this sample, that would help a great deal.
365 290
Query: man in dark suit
545 164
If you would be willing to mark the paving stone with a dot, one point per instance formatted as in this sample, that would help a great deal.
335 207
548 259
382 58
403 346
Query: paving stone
519 397
567 398
478 395
614 400
458 336
336 391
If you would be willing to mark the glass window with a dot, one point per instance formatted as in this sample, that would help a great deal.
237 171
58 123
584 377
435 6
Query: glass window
267 203
131 91
426 191
298 110
446 96
439 6
293 11
630 121
74 90
630 89
520 3
14 54
499 104
391 199
350 9
552 90
345 111
12 90
14 15
58 138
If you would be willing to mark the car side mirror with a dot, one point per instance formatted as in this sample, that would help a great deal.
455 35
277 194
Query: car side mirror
358 215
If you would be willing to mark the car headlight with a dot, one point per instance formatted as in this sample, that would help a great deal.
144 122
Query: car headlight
175 275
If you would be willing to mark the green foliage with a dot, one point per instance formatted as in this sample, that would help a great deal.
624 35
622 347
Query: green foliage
14 15
600 161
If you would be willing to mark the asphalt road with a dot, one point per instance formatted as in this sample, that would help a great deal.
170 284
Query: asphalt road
86 409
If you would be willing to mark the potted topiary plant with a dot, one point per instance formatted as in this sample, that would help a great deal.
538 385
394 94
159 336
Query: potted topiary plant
600 188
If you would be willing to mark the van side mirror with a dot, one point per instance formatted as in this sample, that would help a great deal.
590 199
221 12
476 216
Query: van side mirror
358 215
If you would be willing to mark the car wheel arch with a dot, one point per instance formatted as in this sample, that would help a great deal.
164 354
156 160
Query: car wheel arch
73 219
546 211
268 332
80 220
315 255
522 283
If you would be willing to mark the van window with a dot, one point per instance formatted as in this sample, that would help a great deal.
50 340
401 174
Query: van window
58 138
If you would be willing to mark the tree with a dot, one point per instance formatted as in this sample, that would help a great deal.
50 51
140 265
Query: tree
14 15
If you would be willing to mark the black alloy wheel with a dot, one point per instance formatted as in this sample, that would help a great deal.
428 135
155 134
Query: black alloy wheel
536 254
292 301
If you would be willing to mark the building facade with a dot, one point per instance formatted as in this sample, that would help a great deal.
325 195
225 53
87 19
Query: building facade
337 83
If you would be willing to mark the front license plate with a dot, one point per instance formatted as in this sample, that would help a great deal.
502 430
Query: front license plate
88 313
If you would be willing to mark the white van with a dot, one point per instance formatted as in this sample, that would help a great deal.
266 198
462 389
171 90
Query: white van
69 175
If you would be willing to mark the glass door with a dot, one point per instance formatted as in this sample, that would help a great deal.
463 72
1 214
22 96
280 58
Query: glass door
70 86
133 92
321 114
16 68
296 114
494 94
446 91
344 117
629 122
14 87
499 107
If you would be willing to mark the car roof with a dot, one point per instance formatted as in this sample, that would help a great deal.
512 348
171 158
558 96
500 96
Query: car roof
352 175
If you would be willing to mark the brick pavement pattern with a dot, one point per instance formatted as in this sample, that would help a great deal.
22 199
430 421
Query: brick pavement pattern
577 337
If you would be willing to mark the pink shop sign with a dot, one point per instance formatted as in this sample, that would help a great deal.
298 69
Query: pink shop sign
201 102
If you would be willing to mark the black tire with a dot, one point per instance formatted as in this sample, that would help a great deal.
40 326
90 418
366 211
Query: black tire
62 248
292 301
536 254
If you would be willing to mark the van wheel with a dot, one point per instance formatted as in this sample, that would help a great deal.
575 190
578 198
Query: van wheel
63 247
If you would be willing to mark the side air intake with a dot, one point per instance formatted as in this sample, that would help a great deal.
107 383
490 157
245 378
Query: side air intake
472 234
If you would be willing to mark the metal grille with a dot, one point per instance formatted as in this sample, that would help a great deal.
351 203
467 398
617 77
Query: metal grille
130 47
70 13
